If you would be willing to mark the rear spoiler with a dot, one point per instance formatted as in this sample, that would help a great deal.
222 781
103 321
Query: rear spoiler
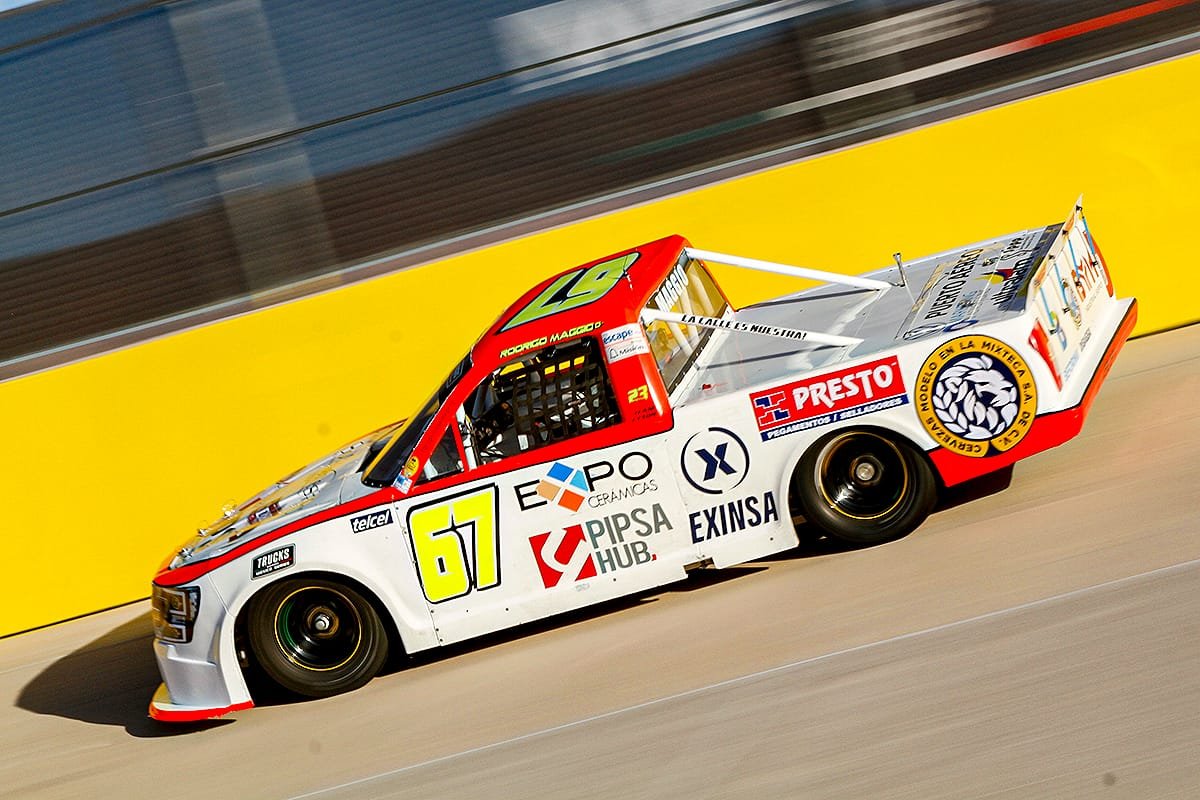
1070 289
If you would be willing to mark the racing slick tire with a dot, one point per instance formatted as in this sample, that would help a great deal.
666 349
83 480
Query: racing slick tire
864 487
316 637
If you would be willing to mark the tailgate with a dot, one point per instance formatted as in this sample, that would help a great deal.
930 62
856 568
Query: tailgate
1070 292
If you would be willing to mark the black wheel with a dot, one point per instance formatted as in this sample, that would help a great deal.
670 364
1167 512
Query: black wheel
315 637
864 487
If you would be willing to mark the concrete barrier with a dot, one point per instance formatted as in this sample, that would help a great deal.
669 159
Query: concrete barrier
111 462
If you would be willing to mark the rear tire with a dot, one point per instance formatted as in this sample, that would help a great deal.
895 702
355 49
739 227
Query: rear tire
864 487
316 637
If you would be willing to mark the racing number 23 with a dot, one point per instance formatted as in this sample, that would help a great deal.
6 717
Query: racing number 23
456 544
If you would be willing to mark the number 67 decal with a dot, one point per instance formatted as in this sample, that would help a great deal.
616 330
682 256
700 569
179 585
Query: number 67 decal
456 544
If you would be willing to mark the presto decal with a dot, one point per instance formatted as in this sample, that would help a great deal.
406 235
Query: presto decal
832 397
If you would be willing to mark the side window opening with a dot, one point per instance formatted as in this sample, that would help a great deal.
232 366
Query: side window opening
445 458
554 394
688 289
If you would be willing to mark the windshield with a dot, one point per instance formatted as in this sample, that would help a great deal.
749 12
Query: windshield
688 289
386 467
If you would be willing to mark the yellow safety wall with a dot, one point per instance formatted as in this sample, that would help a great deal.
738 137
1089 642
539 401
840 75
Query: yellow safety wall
110 463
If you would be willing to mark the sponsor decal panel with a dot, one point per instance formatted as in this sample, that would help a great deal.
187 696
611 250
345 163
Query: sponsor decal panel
977 283
371 521
597 484
976 396
564 486
733 516
273 561
600 546
624 342
828 398
715 460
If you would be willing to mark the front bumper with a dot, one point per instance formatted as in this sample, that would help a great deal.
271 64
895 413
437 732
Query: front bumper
201 678
164 710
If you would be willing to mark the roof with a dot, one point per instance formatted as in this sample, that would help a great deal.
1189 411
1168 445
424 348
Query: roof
606 292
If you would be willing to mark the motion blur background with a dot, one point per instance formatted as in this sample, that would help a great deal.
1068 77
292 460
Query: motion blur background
172 164
167 157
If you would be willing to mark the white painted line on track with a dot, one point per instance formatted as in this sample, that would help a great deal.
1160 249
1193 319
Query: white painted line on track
1057 598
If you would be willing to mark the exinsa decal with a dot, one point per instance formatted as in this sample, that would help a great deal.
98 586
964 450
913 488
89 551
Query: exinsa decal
733 516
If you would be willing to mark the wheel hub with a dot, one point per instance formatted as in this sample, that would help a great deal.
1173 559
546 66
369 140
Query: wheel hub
866 470
322 622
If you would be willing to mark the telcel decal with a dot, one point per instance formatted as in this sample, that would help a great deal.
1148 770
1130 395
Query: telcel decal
598 484
369 522
598 546
975 396
832 397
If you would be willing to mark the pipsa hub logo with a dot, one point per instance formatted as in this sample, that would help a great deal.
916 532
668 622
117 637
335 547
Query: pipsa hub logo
975 396
598 546
832 397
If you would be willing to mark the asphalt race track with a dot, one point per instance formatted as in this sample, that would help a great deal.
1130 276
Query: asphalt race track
1035 640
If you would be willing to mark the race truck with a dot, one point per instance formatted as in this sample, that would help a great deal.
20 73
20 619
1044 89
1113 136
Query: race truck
622 424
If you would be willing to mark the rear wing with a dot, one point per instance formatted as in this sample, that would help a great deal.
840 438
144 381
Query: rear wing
1070 290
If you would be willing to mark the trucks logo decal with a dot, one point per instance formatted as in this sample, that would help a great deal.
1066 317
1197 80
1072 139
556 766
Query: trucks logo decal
832 397
598 546
715 461
975 396
277 559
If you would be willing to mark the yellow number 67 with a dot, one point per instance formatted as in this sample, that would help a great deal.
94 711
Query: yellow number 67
456 544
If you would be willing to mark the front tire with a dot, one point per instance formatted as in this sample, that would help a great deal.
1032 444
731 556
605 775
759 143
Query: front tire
864 487
316 637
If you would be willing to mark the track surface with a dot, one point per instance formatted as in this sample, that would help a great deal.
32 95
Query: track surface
1040 640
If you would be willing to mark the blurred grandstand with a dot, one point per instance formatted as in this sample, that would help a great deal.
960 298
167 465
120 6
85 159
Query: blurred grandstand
167 163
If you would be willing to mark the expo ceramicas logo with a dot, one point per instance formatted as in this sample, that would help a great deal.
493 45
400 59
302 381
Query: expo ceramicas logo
975 396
